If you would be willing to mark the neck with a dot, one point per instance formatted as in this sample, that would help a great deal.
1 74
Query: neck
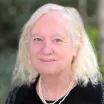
53 86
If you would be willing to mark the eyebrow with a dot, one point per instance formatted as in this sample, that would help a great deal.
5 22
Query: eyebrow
35 35
56 35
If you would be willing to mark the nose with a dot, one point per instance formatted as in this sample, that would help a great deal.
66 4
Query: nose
47 48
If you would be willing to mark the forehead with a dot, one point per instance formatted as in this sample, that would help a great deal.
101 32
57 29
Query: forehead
50 22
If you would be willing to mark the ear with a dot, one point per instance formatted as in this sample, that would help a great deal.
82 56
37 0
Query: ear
75 50
77 46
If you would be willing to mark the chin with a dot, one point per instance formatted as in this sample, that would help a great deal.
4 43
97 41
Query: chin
49 72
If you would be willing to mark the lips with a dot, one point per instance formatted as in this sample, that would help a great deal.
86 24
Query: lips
47 60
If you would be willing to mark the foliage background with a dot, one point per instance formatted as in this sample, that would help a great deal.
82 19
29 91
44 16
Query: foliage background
13 15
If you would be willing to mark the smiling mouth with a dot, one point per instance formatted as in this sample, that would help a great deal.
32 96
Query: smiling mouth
46 60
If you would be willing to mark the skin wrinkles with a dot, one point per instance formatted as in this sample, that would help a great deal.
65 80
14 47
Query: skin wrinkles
51 52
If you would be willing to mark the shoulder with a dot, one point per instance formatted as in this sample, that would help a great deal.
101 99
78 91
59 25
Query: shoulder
18 91
12 95
102 92
93 90
91 93
90 88
96 92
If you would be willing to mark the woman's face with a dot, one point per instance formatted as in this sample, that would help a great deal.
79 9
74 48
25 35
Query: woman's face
50 46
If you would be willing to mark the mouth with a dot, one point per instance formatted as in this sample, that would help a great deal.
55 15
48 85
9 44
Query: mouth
47 60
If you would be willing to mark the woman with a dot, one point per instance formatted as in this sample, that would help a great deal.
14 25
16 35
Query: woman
56 63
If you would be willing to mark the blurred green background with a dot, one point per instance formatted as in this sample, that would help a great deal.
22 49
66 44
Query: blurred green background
13 15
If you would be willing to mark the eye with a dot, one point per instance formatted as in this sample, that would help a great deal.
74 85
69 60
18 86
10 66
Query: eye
57 40
37 40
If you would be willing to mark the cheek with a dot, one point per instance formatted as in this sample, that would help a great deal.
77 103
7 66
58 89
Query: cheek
65 56
65 52
34 49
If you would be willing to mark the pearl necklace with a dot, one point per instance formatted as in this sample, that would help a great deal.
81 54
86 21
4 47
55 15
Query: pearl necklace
65 94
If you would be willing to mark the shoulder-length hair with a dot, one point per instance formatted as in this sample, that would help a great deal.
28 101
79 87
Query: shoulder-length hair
85 65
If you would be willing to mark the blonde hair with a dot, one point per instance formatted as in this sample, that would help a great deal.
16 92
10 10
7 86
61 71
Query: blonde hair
85 65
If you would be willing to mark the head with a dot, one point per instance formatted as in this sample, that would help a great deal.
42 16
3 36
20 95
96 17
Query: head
62 43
